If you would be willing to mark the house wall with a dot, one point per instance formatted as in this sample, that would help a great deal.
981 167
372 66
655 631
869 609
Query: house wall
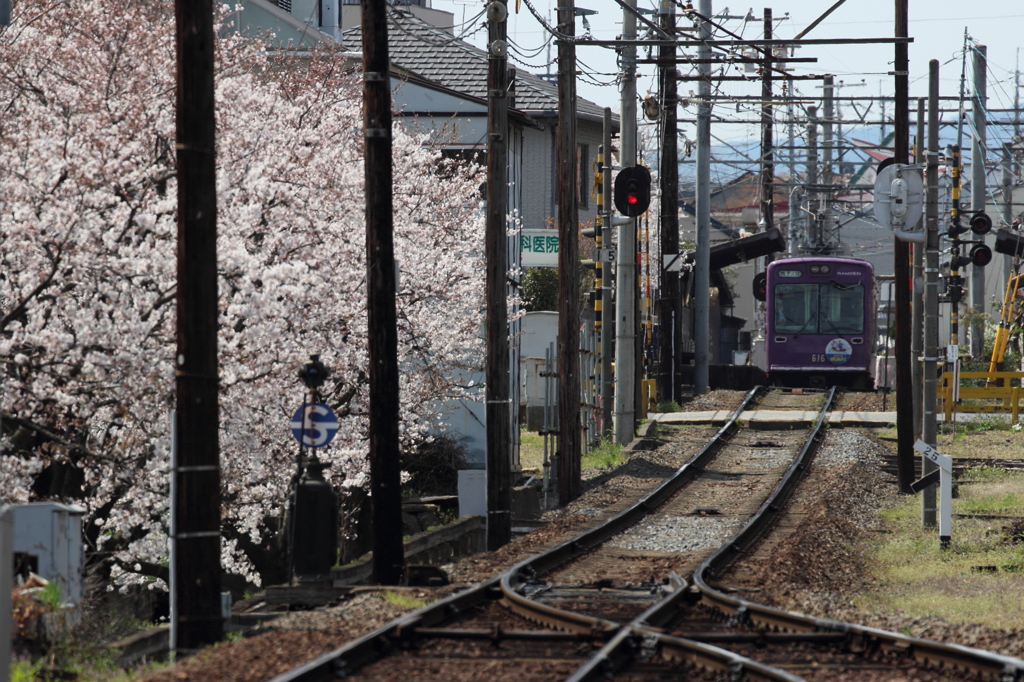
540 173
351 16
536 183
53 533
589 135
257 18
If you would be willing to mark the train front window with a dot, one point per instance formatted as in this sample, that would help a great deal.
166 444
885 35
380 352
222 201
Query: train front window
796 308
842 308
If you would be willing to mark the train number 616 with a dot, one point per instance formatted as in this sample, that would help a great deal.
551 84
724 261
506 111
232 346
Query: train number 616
818 358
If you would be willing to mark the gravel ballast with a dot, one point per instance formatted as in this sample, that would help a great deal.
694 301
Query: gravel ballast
814 570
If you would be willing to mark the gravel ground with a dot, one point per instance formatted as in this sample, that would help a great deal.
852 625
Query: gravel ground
818 568
813 570
714 400
678 534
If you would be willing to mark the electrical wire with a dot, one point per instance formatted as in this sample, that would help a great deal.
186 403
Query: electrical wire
392 18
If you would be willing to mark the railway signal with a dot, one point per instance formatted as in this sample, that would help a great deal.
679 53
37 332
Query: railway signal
980 255
980 223
761 286
633 191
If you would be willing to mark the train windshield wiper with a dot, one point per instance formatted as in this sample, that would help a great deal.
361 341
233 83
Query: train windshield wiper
829 322
810 318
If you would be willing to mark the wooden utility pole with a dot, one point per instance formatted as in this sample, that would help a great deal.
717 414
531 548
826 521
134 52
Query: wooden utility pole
767 114
670 312
901 271
499 492
382 327
568 264
196 507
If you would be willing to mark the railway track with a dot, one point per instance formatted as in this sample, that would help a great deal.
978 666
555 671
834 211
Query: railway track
637 597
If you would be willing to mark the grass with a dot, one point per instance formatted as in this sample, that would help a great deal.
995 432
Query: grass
919 578
606 455
403 600
531 450
24 670
531 453
964 428
668 406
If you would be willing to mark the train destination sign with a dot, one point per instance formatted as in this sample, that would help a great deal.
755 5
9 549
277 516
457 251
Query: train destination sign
314 425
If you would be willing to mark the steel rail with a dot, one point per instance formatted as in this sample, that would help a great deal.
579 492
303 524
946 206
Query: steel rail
622 646
927 652
628 640
516 578
375 645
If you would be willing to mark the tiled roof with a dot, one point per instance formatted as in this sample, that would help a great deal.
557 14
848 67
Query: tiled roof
434 54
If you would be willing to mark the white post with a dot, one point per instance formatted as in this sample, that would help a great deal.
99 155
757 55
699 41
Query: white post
945 506
945 464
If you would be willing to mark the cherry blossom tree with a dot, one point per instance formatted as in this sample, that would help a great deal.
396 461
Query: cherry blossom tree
87 271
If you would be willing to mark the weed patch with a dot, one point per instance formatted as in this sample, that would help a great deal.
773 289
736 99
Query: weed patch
976 579
606 455
404 601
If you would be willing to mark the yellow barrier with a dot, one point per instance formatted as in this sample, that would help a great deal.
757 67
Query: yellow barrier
648 397
1008 394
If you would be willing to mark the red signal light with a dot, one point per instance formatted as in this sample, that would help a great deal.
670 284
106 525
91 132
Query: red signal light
632 199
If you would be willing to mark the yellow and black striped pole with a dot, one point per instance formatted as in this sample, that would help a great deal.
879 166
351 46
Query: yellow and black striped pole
956 290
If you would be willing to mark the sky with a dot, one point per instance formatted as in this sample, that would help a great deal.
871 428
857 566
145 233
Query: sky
937 27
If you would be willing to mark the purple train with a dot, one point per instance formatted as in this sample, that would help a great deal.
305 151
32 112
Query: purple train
820 322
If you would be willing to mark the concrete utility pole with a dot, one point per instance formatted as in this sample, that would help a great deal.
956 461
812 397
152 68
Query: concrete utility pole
813 231
929 429
607 304
917 323
670 311
1007 207
382 326
569 424
767 114
498 410
625 257
702 267
901 271
196 508
978 103
827 140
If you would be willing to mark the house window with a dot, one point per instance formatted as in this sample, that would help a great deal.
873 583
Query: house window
583 173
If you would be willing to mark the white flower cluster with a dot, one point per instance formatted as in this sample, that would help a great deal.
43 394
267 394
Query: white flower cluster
88 247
